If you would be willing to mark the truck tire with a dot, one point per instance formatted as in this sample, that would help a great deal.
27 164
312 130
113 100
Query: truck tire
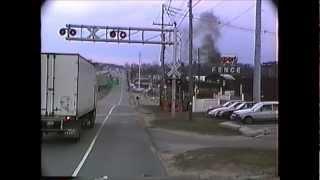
86 121
92 119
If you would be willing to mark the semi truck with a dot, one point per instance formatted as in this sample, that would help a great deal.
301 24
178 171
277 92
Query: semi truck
68 94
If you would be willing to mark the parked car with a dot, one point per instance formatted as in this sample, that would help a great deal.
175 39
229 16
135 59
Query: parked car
262 111
213 113
227 112
228 103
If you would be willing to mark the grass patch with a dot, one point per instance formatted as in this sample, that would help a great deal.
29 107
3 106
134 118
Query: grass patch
200 123
252 160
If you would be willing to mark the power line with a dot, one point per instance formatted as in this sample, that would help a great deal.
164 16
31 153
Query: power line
233 26
183 2
169 4
167 12
186 12
184 16
244 12
196 3
228 24
215 6
218 4
220 23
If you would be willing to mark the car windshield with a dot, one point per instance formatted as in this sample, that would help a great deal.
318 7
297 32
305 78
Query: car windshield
257 105
250 105
234 104
230 104
238 106
226 104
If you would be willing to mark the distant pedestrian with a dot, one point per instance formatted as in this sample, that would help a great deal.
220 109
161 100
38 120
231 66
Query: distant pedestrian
137 98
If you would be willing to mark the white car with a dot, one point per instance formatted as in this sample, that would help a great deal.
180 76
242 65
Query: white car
262 111
228 103
227 112
213 113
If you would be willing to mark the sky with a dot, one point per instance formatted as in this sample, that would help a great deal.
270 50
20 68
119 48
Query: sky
55 14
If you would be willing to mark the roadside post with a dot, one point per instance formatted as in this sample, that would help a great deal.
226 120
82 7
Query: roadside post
174 73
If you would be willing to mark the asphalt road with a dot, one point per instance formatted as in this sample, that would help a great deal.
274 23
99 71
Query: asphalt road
116 147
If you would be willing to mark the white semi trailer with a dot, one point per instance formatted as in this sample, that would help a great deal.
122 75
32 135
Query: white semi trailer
68 94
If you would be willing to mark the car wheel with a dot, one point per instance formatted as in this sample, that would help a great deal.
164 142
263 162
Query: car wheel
227 116
248 120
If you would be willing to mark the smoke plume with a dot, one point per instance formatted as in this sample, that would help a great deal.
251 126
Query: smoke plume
206 32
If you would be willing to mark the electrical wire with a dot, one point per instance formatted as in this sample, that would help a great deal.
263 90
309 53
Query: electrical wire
184 16
231 25
228 24
241 14
169 4
196 3
187 12
183 2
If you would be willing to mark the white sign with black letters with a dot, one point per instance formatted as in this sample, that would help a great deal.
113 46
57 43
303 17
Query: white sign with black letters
226 69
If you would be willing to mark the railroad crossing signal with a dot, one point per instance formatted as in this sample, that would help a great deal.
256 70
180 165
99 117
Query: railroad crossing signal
93 33
174 70
113 34
73 32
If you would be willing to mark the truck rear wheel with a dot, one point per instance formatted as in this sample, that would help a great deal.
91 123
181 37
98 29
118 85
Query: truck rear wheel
89 120
92 119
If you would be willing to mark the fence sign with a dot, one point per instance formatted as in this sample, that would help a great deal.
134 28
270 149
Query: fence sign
226 69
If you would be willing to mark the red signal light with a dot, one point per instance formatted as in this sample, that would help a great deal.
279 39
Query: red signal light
113 34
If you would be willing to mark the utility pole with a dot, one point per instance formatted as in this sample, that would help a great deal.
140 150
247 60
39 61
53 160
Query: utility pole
139 68
257 54
162 56
198 57
173 95
277 58
190 61
162 84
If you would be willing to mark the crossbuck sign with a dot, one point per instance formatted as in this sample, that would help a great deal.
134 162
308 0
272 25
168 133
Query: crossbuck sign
174 70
